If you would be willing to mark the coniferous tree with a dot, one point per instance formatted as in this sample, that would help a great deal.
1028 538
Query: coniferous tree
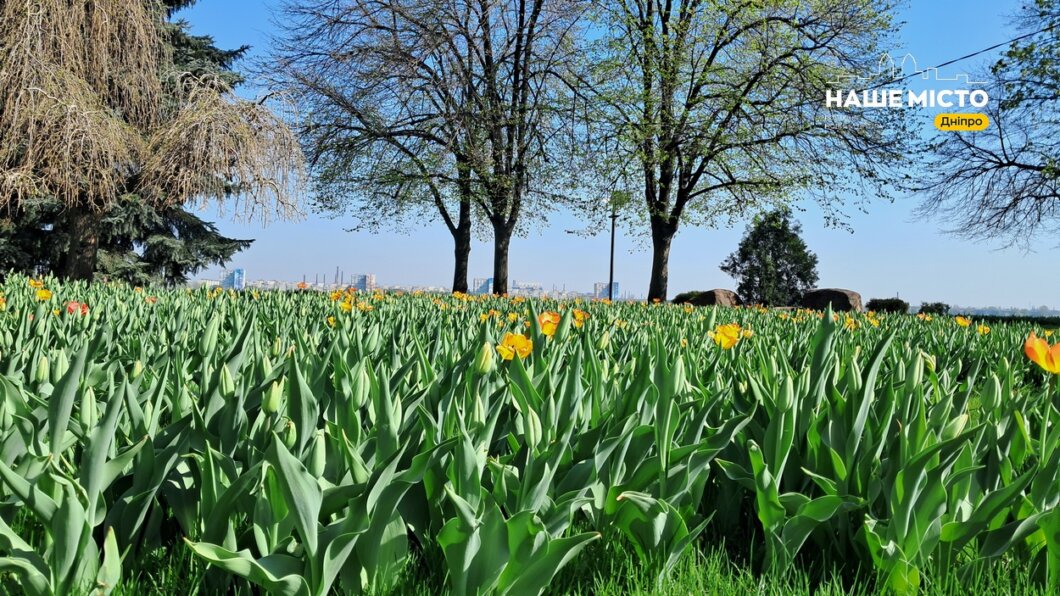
773 265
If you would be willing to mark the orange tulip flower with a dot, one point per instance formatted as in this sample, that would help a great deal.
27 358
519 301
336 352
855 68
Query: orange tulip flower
1042 354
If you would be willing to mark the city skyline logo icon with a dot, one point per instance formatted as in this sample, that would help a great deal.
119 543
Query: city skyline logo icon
880 90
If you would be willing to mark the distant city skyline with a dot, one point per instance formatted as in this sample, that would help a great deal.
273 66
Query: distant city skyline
891 251
367 282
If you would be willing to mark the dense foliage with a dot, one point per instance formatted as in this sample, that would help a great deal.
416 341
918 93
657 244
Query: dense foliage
895 305
772 263
305 442
934 308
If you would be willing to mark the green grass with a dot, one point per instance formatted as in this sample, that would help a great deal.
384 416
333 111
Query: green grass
612 569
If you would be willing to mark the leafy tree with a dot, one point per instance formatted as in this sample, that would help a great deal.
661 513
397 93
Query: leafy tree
1004 182
934 308
444 108
717 108
104 109
772 263
383 140
896 305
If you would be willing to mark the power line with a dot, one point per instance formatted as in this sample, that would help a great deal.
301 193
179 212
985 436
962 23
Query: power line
967 56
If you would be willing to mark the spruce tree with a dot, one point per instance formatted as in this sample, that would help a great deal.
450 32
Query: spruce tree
772 263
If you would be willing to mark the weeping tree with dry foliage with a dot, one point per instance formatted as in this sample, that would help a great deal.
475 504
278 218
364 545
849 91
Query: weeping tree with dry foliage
92 109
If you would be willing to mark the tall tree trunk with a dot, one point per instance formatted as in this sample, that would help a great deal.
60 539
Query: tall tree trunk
502 239
79 262
462 247
662 235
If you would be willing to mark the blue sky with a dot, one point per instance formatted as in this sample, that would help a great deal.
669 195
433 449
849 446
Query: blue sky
889 251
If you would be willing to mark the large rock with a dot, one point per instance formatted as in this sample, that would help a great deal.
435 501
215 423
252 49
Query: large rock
839 299
709 298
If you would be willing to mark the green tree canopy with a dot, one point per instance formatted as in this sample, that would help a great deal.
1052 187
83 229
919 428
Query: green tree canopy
716 110
773 264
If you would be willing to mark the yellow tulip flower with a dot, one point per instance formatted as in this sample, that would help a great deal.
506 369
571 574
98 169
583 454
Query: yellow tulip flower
579 317
549 322
726 336
515 344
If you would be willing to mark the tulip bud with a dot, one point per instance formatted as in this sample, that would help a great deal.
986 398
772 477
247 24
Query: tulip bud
138 369
184 402
929 361
227 383
62 364
290 437
679 377
786 400
41 374
533 429
484 361
605 341
88 408
208 341
914 375
277 347
478 414
361 387
954 427
271 404
318 455
266 366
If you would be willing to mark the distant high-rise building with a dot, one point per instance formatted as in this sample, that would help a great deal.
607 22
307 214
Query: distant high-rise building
235 279
482 285
526 288
363 282
600 290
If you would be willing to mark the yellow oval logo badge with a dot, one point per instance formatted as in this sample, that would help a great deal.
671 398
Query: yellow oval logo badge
962 122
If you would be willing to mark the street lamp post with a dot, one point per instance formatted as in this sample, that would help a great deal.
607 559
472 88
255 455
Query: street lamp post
614 220
611 276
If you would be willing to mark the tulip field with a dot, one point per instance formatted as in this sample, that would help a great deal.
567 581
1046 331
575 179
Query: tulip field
305 443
